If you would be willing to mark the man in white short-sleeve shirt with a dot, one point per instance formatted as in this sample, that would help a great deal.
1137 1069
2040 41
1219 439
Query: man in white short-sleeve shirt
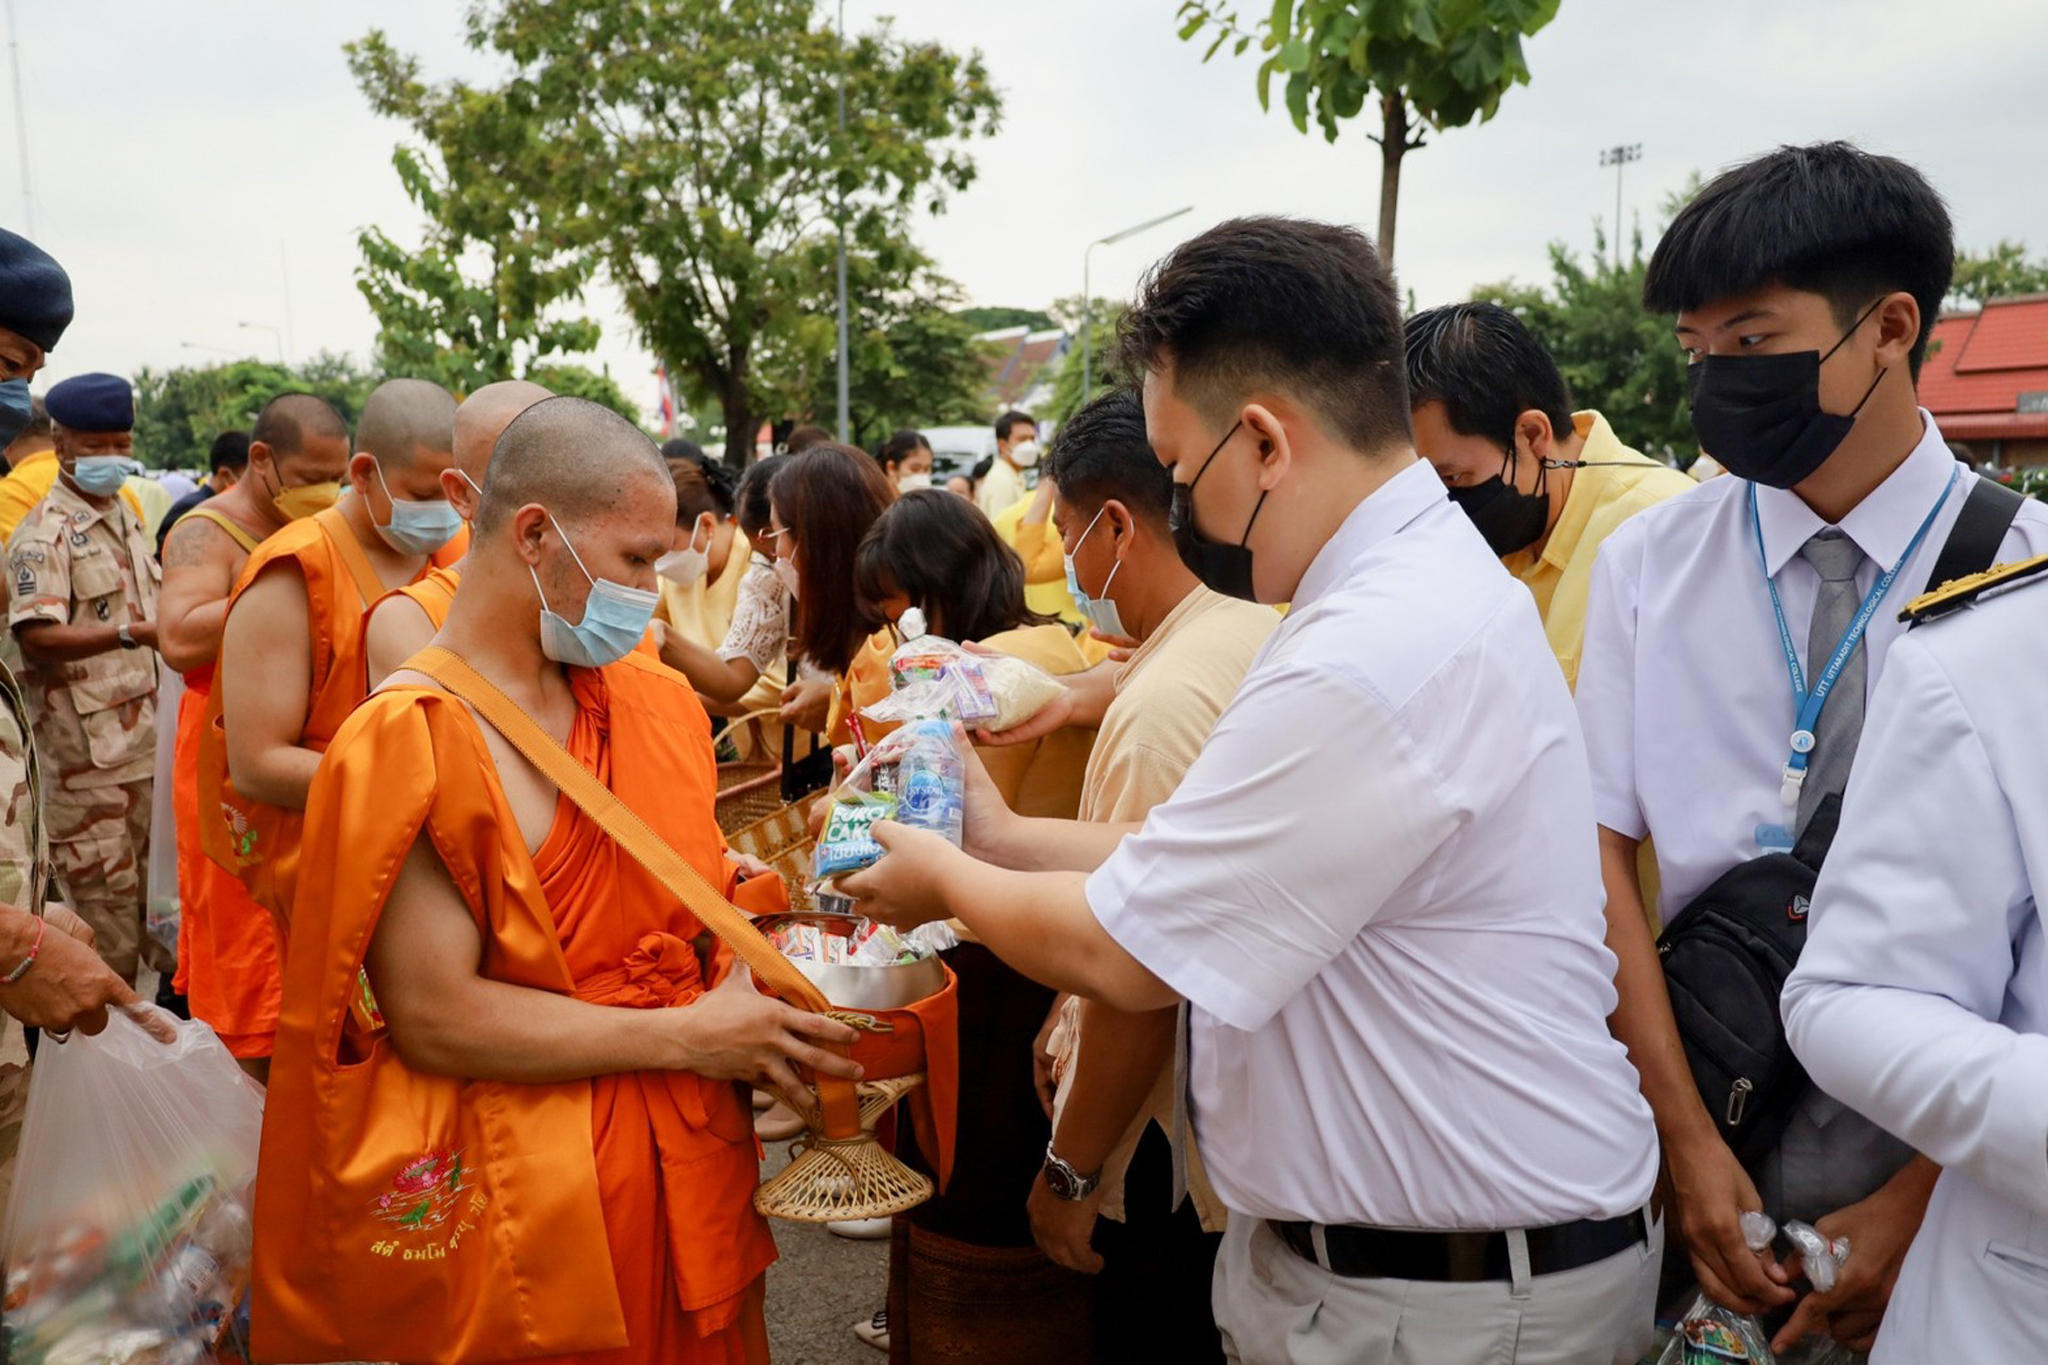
1369 886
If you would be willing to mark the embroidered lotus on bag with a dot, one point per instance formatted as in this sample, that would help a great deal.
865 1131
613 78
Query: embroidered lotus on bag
424 1192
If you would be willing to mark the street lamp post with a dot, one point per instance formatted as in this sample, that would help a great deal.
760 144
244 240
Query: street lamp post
1088 297
274 332
845 421
1619 157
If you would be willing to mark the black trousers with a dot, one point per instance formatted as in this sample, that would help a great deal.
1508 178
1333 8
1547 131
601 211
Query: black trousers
1152 1299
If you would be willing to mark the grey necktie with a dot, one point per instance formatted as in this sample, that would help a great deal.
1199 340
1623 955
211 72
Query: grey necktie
1835 558
1177 1134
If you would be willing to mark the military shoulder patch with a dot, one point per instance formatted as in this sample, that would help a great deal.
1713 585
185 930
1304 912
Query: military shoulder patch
1958 593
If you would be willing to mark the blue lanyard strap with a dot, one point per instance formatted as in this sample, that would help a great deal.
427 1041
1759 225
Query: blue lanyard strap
1807 705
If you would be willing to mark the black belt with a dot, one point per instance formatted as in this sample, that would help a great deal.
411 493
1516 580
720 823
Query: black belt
1464 1257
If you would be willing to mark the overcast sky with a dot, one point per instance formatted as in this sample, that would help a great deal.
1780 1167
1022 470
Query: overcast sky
208 163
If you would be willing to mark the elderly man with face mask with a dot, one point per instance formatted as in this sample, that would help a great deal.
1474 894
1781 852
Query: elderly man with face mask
84 577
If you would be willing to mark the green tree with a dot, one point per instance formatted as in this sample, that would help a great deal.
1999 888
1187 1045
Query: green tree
2002 272
1420 64
580 381
482 298
178 412
998 319
1067 397
910 361
1616 357
691 148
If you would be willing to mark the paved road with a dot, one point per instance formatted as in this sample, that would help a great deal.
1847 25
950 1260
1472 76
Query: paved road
820 1288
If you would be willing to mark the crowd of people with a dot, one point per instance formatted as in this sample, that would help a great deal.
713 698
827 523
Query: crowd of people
1377 951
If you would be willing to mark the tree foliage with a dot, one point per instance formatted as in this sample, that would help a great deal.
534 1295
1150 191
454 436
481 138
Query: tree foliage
483 297
579 381
1999 273
690 150
1616 357
1067 397
998 319
178 412
1417 64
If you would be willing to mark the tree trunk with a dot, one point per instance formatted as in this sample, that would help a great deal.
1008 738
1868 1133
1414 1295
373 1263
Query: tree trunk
740 420
1393 146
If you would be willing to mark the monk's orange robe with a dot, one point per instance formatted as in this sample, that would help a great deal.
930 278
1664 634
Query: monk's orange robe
227 946
609 1219
259 843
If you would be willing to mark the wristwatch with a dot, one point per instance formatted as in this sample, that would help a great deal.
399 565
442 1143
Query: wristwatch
1065 1182
127 641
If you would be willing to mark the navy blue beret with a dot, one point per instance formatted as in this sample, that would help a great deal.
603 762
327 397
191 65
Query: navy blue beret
92 402
35 293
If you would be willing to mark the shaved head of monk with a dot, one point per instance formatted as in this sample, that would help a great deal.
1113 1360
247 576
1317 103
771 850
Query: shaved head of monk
298 441
404 439
479 422
575 493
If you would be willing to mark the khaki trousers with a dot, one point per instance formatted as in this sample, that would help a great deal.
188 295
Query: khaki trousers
99 846
1276 1308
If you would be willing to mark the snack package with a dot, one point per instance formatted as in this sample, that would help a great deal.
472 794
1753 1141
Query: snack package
1708 1334
127 1234
865 944
847 843
935 678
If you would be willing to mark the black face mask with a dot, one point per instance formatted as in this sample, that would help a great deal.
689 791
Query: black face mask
1760 415
1510 519
1221 568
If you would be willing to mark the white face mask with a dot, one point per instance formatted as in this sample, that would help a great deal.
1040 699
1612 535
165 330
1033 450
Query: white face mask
685 566
785 569
911 483
1024 454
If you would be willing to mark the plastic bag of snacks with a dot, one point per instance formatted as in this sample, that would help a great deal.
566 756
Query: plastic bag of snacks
934 677
127 1233
915 776
1708 1334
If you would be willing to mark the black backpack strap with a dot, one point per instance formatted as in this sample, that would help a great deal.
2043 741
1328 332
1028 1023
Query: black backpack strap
1980 528
1819 835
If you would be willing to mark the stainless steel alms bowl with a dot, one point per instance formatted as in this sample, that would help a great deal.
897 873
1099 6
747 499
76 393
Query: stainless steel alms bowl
860 987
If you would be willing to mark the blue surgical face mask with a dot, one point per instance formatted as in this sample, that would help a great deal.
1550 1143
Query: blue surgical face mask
417 528
1100 610
101 476
614 618
15 409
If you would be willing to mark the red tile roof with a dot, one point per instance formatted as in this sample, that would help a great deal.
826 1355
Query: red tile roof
1982 364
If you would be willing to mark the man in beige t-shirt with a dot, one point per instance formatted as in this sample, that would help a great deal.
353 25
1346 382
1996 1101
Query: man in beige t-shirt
1114 1107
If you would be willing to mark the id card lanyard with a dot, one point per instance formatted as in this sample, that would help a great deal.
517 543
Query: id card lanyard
1806 706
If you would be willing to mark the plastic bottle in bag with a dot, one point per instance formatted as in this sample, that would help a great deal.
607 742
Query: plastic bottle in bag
930 780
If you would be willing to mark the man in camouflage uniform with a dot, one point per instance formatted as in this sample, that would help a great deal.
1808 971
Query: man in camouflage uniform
66 985
84 585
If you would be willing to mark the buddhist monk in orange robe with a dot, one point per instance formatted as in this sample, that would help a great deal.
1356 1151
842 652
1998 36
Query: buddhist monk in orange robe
291 665
227 949
543 1100
400 623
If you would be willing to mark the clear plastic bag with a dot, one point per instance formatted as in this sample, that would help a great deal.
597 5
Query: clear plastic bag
916 776
127 1233
934 677
161 919
1708 1334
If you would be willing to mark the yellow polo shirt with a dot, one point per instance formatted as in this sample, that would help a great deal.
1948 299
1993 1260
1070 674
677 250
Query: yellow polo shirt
29 482
1620 483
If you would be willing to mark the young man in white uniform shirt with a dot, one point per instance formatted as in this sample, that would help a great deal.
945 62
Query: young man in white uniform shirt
1805 284
1370 886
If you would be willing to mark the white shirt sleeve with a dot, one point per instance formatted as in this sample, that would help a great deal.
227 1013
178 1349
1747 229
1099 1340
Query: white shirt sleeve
1606 691
1894 1004
1308 809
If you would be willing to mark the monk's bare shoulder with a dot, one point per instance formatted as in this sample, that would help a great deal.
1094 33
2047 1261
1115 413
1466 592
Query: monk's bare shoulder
197 541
